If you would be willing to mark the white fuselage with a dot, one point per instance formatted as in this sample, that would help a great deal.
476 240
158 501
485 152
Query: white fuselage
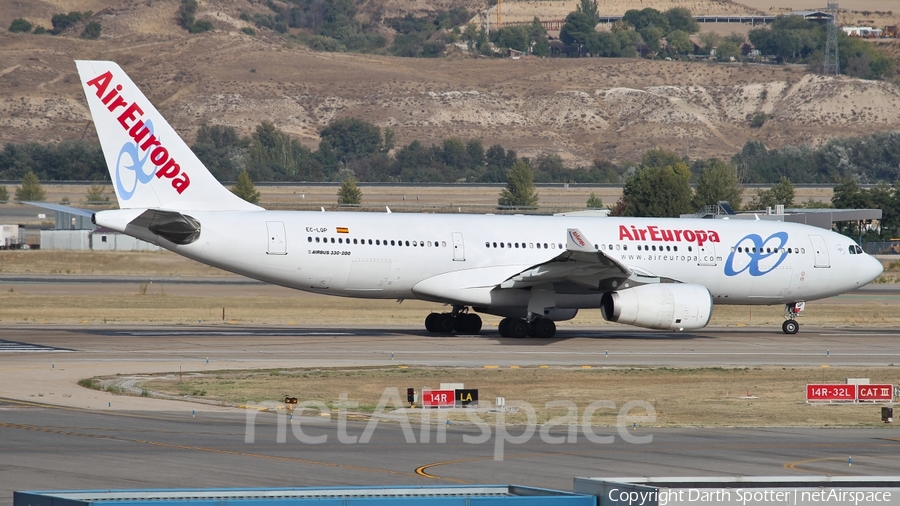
385 255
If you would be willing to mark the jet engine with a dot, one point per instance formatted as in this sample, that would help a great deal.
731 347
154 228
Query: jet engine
665 306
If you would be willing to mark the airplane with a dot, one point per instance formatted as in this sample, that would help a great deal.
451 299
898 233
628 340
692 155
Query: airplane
533 271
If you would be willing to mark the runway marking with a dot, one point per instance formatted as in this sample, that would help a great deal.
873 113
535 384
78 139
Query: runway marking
423 470
203 449
17 347
793 466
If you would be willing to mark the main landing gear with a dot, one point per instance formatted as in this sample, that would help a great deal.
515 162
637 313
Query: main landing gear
459 321
791 312
519 328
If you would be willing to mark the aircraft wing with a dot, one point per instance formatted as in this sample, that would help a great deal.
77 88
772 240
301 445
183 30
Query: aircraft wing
580 263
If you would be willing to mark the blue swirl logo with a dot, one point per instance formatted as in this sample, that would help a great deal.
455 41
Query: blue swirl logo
753 249
131 150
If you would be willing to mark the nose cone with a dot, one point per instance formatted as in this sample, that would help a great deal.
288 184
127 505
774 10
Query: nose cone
871 269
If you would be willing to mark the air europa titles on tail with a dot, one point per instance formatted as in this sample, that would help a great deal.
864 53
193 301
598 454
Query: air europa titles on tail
142 133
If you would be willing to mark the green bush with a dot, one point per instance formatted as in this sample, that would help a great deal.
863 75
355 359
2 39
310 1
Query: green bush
248 30
20 25
91 31
200 26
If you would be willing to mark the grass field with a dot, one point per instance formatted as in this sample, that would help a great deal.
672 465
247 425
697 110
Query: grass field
720 397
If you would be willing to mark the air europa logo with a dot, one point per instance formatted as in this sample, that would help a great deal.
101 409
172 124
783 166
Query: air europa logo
576 237
144 140
656 234
753 249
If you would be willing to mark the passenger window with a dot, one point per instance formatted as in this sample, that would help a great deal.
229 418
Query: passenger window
332 240
443 244
309 239
487 245
317 239
502 245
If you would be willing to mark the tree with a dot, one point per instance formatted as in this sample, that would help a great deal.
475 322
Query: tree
594 202
92 31
577 29
717 182
540 44
680 18
589 7
644 18
348 193
95 194
519 191
679 43
660 188
351 138
20 25
779 194
4 195
710 41
30 190
244 188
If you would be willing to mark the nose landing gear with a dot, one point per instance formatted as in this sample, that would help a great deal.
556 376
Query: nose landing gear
791 312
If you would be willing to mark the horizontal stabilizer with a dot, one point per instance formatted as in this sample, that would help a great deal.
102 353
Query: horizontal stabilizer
62 209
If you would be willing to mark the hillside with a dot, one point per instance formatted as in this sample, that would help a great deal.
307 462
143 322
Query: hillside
580 109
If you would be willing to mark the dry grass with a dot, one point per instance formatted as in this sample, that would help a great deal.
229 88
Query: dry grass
162 303
681 397
105 263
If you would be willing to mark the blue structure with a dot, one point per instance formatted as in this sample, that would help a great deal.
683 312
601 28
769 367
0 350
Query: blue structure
475 495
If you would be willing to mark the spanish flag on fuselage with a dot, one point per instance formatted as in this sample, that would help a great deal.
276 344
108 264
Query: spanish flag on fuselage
343 230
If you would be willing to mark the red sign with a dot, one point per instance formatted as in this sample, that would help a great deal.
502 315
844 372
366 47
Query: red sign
876 392
438 398
830 392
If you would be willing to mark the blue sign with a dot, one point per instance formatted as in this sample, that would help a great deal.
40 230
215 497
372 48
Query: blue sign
756 250
130 149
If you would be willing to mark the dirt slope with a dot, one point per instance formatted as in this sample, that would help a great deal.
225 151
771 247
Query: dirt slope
579 109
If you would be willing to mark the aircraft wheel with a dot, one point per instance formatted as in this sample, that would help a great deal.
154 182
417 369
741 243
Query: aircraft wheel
444 323
504 327
471 323
790 327
431 322
517 328
543 328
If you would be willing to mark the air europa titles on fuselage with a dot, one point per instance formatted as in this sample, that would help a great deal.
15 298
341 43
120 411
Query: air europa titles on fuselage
138 131
654 233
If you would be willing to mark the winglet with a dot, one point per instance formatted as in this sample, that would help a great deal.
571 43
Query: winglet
576 241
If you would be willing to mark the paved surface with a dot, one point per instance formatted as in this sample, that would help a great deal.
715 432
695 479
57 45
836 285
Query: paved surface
57 435
52 448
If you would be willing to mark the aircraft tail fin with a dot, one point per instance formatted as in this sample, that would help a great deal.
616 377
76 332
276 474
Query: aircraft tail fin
150 165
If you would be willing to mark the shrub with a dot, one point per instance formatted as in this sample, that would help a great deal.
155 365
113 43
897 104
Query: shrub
20 25
91 31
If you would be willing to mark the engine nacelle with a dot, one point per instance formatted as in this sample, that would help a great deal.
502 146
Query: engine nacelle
665 306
